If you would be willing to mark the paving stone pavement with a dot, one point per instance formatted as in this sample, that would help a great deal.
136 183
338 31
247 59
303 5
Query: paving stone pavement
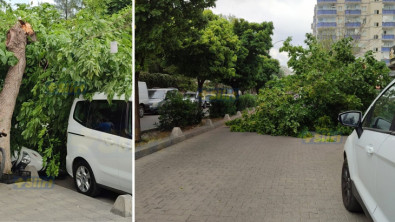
52 204
225 176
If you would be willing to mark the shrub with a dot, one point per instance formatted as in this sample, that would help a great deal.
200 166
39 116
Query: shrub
220 107
326 82
166 80
177 112
245 101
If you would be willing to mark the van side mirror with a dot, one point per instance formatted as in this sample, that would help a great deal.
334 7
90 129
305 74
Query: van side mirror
352 119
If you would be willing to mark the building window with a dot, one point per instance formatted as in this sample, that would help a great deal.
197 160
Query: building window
376 37
340 8
364 8
376 49
376 24
377 12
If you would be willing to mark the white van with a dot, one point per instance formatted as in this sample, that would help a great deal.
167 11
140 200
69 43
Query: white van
99 144
143 98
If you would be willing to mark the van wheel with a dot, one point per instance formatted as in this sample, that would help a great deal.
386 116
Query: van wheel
141 111
349 200
84 180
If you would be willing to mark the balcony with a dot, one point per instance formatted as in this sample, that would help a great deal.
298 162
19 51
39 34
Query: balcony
326 12
353 24
353 12
388 37
385 49
389 24
326 24
387 61
388 12
389 1
355 37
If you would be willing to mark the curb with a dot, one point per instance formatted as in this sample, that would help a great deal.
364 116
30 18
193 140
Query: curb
164 143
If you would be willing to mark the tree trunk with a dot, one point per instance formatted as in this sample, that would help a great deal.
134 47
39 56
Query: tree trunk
16 43
137 128
200 90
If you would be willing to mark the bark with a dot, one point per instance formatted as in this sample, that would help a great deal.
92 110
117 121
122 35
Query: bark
16 43
137 129
200 90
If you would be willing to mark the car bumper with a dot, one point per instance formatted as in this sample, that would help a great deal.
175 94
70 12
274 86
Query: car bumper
69 165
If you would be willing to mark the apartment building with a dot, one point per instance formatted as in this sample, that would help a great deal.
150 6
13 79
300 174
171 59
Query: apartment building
371 23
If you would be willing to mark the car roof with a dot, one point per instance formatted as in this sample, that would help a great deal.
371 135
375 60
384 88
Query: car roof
166 89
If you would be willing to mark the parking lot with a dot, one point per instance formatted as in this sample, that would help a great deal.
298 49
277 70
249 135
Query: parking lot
225 176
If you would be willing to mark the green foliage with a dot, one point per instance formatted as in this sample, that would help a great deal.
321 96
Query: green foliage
177 112
161 25
161 80
246 101
254 66
326 82
68 8
210 53
221 106
74 50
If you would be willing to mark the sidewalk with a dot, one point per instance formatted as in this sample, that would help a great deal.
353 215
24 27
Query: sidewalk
27 202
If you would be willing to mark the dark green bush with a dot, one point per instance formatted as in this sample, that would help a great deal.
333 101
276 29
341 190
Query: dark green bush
161 80
245 101
177 112
220 107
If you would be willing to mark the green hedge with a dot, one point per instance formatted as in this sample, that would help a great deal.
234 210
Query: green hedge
161 80
246 101
177 112
220 107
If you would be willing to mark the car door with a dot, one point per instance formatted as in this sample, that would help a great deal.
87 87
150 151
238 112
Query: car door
125 161
105 123
376 129
385 171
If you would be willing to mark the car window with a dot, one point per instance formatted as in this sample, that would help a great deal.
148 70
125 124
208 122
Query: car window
381 114
81 112
156 94
106 117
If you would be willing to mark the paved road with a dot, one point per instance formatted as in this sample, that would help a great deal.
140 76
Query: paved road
105 196
224 176
40 201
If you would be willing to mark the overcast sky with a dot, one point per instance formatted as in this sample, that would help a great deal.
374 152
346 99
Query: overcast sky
290 18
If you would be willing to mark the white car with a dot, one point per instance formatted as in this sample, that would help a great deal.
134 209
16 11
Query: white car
368 174
99 144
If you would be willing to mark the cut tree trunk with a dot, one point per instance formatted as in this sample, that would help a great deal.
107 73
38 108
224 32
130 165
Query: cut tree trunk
16 43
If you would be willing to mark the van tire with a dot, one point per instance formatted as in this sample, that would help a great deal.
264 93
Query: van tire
82 172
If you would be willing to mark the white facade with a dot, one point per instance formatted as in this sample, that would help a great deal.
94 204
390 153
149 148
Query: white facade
371 23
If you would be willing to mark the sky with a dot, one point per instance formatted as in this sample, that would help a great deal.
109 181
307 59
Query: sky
290 18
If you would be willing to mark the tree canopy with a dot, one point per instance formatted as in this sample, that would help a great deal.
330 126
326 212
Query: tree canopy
326 82
71 57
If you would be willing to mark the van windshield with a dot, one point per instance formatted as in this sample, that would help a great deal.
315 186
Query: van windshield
156 94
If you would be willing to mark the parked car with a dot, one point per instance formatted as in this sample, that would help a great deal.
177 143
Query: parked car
206 100
192 96
157 97
143 99
368 174
99 144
